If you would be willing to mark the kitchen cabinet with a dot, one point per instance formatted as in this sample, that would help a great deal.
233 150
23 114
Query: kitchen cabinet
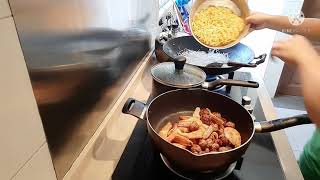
21 131
4 9
38 168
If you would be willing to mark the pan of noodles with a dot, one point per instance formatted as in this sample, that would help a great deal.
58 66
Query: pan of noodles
199 130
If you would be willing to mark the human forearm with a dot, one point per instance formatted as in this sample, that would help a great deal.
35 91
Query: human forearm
310 76
309 28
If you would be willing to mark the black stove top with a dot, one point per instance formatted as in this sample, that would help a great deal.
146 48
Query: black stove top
140 159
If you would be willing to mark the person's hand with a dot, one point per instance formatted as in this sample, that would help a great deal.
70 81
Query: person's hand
295 50
258 20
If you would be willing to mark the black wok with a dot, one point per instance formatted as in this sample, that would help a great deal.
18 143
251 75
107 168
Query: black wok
240 55
170 105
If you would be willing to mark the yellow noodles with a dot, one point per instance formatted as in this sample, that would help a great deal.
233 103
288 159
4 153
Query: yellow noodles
217 26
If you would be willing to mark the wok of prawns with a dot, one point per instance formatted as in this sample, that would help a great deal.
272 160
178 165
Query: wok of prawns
203 132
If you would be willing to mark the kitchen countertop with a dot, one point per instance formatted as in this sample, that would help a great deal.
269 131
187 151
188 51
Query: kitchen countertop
99 158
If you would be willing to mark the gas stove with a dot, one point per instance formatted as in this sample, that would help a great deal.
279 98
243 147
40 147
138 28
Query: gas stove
141 160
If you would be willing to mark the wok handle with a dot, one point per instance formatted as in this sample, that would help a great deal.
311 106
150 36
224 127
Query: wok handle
236 64
262 59
232 82
134 108
278 124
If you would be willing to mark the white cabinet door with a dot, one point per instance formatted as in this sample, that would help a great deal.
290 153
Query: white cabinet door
4 9
21 131
38 168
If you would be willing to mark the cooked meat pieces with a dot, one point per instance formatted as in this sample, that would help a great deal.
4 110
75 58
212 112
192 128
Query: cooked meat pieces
195 148
208 118
224 140
203 144
182 140
233 136
165 130
194 134
218 141
184 129
196 113
203 132
214 136
209 142
194 126
184 117
205 116
215 147
180 145
230 124
208 132
215 127
218 120
225 148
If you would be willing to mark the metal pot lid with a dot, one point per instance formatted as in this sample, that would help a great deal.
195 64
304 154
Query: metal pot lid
178 74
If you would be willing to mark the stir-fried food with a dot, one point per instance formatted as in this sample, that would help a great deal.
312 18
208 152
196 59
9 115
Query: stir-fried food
217 26
203 132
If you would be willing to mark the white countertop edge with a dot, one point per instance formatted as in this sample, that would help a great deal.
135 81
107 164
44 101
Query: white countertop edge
286 156
81 169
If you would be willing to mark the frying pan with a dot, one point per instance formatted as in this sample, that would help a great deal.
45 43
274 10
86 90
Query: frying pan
240 55
170 105
178 75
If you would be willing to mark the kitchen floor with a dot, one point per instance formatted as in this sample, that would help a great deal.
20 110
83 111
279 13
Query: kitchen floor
298 136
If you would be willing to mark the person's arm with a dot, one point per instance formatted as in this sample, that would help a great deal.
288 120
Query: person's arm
310 77
297 50
309 28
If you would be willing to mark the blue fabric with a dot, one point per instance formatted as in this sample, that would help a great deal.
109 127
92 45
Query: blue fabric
182 9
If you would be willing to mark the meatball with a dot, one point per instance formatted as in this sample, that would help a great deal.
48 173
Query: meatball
203 144
209 142
195 148
224 140
193 126
215 147
218 141
205 116
230 124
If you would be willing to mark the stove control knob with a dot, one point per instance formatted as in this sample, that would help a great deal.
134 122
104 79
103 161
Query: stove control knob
246 103
246 100
249 108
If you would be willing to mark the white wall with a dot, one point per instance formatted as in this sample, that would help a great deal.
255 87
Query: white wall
22 138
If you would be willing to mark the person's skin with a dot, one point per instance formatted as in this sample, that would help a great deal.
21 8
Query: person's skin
309 28
297 50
